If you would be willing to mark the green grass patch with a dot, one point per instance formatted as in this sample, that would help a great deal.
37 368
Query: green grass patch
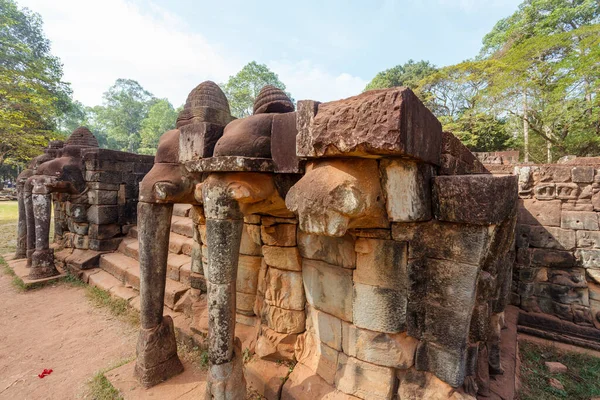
117 307
99 388
9 215
581 381
193 355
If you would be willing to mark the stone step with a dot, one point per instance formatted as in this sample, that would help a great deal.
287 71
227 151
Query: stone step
182 225
133 232
179 244
130 247
181 210
117 265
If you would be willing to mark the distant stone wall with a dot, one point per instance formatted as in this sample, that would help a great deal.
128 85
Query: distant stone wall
98 218
557 270
498 157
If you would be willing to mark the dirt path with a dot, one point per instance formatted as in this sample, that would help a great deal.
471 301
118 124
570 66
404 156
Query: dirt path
55 327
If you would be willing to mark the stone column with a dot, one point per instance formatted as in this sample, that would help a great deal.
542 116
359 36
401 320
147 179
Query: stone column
30 222
42 260
224 224
21 251
157 358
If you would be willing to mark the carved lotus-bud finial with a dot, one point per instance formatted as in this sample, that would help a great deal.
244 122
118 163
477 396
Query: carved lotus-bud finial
272 100
206 102
82 137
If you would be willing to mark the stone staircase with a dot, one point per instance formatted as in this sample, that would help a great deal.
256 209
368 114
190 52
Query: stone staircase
185 291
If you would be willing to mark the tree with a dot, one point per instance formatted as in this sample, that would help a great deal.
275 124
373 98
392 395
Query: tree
242 88
31 91
409 74
161 118
125 106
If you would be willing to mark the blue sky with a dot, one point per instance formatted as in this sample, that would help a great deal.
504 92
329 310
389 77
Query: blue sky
323 50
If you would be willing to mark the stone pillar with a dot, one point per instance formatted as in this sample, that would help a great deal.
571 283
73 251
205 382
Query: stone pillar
21 251
224 224
30 222
157 358
42 260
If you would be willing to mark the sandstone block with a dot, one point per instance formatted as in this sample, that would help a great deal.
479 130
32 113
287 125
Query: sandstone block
332 250
326 328
451 285
328 288
197 140
304 384
285 289
588 239
272 345
454 197
282 235
247 275
262 278
579 220
108 197
105 231
379 309
588 258
390 350
552 237
567 191
545 191
282 320
416 385
407 189
266 377
317 356
286 258
556 367
244 303
99 214
447 365
364 380
251 244
381 263
582 174
397 123
536 212
552 258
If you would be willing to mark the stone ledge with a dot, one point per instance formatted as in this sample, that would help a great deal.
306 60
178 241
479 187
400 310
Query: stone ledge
231 164
22 272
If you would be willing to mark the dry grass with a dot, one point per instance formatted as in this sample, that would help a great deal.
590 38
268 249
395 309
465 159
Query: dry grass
9 215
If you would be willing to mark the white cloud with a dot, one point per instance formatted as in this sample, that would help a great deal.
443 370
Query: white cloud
304 80
473 5
103 40
100 41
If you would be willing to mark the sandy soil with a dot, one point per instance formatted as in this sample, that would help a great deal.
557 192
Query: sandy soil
55 328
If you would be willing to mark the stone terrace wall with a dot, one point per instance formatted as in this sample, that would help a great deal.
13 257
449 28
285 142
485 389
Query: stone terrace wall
557 270
100 217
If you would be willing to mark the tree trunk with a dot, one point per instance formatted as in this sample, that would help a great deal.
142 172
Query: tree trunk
525 131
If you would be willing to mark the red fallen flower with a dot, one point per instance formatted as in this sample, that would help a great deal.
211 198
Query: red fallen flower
44 373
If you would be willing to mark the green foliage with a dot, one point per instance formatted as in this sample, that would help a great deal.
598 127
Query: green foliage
161 118
580 381
31 91
480 132
242 88
409 74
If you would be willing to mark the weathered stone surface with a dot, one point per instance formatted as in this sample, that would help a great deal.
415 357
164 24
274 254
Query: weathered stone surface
98 214
407 187
286 258
394 123
283 235
251 243
552 258
325 327
282 320
381 263
588 258
556 367
283 143
102 197
247 275
317 356
443 240
105 231
304 384
582 174
284 289
567 191
551 237
364 380
535 212
451 285
454 197
416 385
272 345
334 196
588 239
579 220
266 377
447 365
379 309
335 251
390 350
230 164
545 191
328 288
